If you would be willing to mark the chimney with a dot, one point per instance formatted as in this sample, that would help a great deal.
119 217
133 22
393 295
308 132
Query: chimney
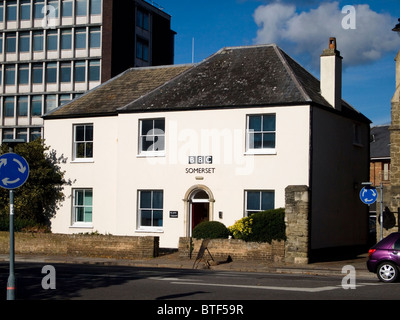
331 75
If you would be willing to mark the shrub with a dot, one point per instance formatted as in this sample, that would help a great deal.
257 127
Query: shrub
210 230
242 228
261 226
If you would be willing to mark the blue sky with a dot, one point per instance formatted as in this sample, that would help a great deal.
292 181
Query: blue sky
302 29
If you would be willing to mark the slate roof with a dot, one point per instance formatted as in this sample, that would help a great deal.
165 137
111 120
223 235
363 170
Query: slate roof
261 75
380 142
128 86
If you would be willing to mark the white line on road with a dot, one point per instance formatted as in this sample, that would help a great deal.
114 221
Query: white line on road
319 289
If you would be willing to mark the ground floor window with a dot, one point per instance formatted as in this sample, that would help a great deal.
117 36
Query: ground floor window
150 208
83 206
259 200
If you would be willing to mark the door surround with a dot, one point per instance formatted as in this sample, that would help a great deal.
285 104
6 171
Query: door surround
190 198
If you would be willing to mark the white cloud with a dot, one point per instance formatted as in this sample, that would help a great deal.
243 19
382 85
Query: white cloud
309 31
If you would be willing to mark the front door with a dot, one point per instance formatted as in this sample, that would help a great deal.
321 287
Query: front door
200 213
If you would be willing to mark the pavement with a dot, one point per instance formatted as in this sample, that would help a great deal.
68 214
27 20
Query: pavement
172 260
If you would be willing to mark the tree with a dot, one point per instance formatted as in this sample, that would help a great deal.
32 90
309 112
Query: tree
38 200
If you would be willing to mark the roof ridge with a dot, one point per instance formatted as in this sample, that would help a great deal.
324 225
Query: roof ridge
292 73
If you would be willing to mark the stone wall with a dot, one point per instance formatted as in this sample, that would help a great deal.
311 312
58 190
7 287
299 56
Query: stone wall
237 250
297 224
394 151
81 245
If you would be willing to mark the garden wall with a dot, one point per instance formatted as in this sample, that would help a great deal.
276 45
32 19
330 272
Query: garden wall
238 250
81 245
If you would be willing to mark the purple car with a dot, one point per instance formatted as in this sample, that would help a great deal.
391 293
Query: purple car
384 258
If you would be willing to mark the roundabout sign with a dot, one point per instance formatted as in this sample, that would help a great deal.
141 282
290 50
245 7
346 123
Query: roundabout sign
14 171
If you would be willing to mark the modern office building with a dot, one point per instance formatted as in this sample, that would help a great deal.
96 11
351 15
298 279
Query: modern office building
52 51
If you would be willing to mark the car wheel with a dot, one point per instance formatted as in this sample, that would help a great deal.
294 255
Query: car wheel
387 272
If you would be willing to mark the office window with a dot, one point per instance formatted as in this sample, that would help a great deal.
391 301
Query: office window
94 70
95 37
1 11
81 7
23 73
66 8
52 40
8 134
10 74
22 134
37 73
25 9
9 107
51 103
24 41
11 10
150 209
38 41
35 133
11 40
23 106
83 206
64 98
152 135
142 49
80 38
95 7
66 39
83 141
80 71
51 72
261 132
36 106
38 9
142 20
257 201
54 8
1 43
65 72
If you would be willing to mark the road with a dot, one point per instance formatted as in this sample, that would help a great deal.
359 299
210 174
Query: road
94 282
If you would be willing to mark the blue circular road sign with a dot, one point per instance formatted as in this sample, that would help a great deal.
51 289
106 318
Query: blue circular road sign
368 195
14 171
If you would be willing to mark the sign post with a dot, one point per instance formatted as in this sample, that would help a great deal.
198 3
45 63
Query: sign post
369 195
14 171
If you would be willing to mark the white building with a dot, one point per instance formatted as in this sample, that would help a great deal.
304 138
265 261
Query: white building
156 150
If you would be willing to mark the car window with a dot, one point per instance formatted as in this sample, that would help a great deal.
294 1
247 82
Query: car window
396 245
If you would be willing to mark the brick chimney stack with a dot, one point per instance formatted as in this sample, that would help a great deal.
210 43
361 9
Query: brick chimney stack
331 75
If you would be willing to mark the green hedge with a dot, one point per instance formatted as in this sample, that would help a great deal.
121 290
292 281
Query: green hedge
210 230
261 226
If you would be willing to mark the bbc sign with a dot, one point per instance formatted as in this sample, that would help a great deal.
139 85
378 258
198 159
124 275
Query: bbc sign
200 159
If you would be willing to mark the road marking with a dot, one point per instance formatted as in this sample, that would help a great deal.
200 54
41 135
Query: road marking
320 289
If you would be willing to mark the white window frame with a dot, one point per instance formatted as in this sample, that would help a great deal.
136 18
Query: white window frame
246 211
151 134
253 151
75 144
74 222
141 228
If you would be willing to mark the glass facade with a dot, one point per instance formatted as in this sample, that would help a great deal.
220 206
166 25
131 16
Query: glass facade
50 53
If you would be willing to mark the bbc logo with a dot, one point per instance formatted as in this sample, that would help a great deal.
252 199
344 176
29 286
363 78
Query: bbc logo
200 159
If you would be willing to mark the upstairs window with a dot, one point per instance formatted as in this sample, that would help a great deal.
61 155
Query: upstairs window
261 133
83 141
142 20
152 136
